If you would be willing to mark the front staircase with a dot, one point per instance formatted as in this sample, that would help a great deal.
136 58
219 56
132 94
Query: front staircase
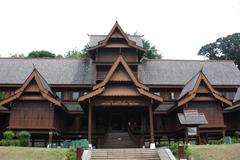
118 140
123 154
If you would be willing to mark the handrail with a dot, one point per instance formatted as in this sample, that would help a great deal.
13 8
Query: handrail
132 135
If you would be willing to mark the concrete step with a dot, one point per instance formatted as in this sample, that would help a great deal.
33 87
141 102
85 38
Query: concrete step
118 140
129 153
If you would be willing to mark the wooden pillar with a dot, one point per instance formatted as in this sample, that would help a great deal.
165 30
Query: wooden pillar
224 133
152 144
186 135
50 137
143 123
90 125
77 123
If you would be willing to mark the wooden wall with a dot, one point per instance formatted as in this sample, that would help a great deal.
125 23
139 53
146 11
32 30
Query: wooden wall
112 54
4 120
212 111
31 114
232 121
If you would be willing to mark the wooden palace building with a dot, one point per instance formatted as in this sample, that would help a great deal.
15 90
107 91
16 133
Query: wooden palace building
116 98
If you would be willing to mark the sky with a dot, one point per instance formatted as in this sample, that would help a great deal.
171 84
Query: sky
178 28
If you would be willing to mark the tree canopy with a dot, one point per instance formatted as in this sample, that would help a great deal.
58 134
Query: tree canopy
41 54
151 51
224 48
75 53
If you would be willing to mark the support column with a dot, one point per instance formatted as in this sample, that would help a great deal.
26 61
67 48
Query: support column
50 137
90 125
152 143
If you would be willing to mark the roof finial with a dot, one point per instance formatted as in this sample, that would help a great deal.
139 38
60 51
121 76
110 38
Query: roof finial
201 70
33 66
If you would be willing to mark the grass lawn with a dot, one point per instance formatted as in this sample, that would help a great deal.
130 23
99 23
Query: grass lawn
28 153
215 152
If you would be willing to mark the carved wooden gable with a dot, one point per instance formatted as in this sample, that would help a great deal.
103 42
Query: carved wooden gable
120 81
34 88
200 89
120 74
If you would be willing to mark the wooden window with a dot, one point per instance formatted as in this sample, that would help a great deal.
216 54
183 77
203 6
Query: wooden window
172 96
229 95
59 94
157 93
75 95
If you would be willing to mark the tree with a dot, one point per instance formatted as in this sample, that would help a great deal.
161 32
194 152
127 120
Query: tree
17 55
151 51
41 54
225 48
75 53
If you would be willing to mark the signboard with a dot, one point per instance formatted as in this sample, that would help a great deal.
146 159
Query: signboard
127 101
120 103
192 131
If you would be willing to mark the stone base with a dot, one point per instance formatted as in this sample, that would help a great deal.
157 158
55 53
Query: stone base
90 146
152 146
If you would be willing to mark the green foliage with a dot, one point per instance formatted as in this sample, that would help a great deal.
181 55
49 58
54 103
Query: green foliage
225 48
174 148
14 142
216 142
2 95
5 142
24 138
16 55
8 135
187 151
151 51
75 53
41 54
237 134
71 154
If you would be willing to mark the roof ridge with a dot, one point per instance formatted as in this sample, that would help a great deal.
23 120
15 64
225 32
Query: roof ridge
102 35
43 58
194 60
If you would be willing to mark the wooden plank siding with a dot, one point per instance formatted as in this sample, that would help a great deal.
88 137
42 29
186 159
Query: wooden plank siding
31 114
212 111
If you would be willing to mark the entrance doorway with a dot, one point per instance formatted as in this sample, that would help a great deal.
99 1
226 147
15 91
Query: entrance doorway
116 122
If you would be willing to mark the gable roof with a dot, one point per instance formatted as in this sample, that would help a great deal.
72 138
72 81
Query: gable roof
236 102
192 117
95 39
75 71
179 72
103 42
44 89
120 60
83 71
237 96
3 109
189 91
100 87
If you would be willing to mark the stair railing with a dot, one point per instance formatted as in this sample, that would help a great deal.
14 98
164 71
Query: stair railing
134 137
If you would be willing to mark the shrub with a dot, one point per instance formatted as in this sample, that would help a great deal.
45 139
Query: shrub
8 135
71 154
216 142
174 148
24 138
187 152
5 142
15 142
